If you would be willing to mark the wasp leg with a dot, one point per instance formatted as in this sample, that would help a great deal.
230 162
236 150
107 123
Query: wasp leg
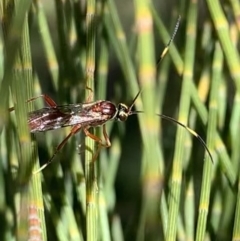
73 131
106 136
99 140
108 143
46 98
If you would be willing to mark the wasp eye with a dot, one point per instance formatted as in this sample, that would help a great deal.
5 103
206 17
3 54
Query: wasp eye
122 112
122 116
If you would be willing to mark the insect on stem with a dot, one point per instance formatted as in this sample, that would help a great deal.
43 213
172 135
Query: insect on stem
86 115
83 116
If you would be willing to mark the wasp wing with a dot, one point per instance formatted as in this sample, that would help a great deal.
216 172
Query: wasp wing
48 118
52 118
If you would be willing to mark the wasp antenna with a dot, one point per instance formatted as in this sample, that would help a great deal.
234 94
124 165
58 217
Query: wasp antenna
175 30
164 52
40 169
133 102
190 131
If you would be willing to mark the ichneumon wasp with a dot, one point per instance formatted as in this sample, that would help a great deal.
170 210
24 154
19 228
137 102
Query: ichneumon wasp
83 116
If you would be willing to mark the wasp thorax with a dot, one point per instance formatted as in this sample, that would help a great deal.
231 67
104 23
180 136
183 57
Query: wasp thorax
122 114
107 108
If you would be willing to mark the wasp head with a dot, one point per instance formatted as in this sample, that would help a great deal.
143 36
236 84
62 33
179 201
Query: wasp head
124 111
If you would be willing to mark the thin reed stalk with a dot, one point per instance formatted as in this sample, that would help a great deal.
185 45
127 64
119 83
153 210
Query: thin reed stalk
176 179
90 164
